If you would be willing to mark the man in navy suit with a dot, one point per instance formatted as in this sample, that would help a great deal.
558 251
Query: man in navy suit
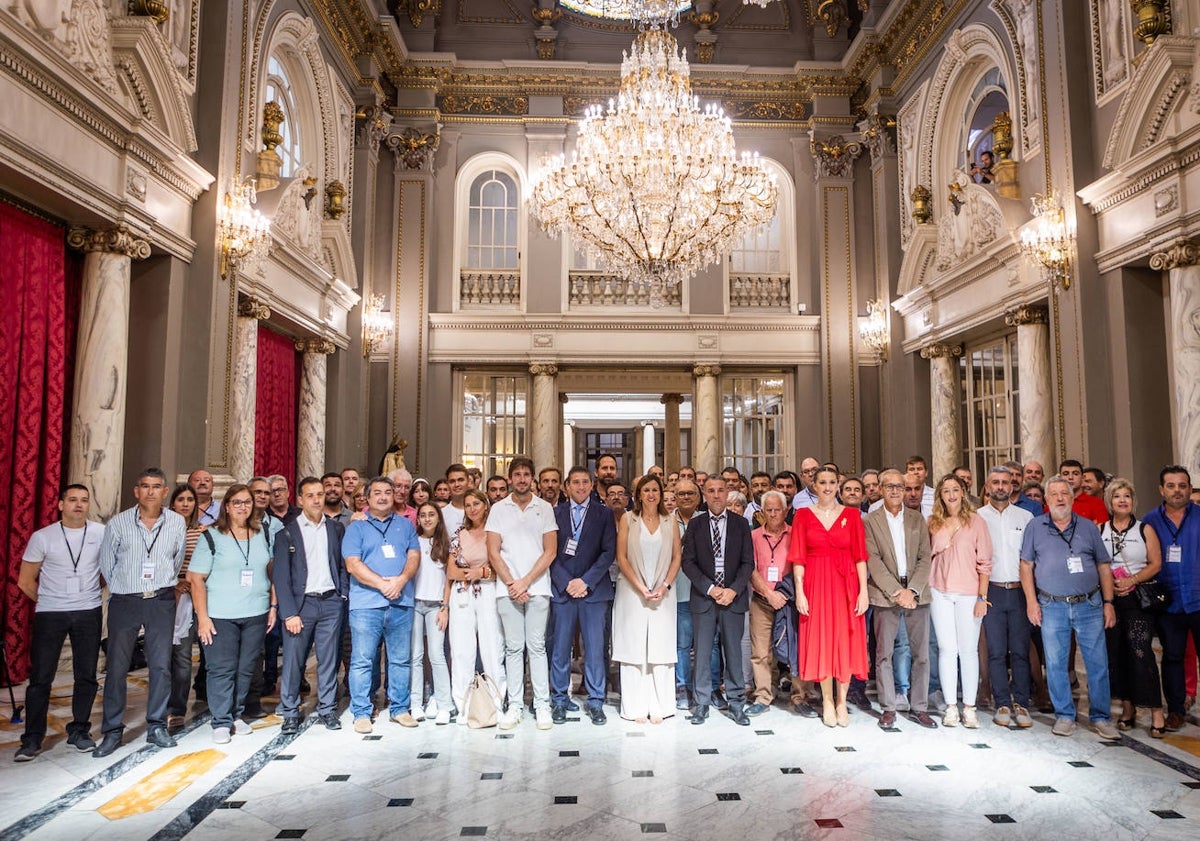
311 584
581 593
718 558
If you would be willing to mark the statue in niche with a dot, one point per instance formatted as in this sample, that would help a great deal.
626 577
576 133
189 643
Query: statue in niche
1112 25
393 459
1027 37
298 217
971 221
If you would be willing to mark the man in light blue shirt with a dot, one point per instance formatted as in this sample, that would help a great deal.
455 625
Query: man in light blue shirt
382 556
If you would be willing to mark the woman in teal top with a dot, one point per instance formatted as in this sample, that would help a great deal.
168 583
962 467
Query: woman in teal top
234 599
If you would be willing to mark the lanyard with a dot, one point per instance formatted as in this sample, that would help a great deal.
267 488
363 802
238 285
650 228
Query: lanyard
772 548
74 560
383 532
245 553
149 546
1066 535
1174 532
577 527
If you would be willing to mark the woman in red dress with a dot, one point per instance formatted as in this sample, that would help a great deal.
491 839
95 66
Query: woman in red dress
829 557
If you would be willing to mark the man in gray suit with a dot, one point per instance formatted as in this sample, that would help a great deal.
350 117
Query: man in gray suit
898 565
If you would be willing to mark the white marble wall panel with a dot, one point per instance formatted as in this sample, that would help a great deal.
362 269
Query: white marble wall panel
243 399
1185 360
310 430
1037 399
945 397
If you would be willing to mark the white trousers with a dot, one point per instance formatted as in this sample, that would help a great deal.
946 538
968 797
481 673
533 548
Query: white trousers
474 629
953 617
647 691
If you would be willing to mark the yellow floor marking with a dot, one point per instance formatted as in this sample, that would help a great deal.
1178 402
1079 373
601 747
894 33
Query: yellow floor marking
152 791
1188 743
269 721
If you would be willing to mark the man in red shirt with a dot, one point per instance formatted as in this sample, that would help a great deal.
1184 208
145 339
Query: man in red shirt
1085 505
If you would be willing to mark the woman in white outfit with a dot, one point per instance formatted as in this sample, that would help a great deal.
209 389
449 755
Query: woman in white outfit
430 601
470 596
643 637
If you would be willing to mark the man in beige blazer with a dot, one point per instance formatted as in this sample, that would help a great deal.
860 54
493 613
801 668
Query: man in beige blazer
898 564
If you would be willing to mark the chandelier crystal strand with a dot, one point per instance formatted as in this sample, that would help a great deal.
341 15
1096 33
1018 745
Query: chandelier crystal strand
655 189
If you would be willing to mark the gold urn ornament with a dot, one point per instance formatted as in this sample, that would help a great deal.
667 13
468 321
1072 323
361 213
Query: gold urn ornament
335 200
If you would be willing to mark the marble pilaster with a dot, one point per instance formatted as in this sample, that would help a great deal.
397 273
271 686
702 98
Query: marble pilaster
1034 383
649 448
945 395
706 412
1182 262
101 363
543 415
310 427
671 431
244 398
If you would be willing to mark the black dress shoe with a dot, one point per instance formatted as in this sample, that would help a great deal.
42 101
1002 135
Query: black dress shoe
291 726
159 737
108 744
700 715
572 707
331 721
82 742
805 710
719 701
596 714
860 700
739 715
558 714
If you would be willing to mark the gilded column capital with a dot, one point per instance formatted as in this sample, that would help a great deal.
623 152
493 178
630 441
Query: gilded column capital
1026 314
323 346
706 370
1182 253
374 123
938 350
834 157
668 399
414 149
118 240
251 307
543 369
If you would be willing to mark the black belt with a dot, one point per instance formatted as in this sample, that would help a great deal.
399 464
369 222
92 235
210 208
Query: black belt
1076 599
148 594
1006 585
326 595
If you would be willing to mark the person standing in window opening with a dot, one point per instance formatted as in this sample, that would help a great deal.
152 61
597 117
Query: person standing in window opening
522 542
382 555
648 556
470 593
183 503
430 603
981 171
828 554
1132 666
60 574
230 578
958 582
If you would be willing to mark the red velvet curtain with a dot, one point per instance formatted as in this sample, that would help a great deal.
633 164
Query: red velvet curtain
39 288
276 405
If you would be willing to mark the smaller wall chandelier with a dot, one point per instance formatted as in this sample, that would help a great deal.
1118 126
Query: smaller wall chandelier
376 325
244 233
1048 239
874 328
655 189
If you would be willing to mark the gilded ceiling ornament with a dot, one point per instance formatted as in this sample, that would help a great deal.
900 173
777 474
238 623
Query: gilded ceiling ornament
764 110
453 103
833 14
417 9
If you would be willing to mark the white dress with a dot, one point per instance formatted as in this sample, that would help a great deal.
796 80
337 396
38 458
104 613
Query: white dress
644 632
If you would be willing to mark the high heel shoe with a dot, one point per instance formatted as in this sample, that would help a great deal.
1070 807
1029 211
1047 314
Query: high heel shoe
843 716
829 716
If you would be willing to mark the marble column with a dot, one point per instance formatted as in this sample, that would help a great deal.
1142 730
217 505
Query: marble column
1182 261
671 431
945 394
706 419
310 428
568 448
102 363
1033 383
243 401
649 448
543 415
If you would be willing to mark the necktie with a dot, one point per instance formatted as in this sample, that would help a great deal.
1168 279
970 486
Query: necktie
576 516
718 555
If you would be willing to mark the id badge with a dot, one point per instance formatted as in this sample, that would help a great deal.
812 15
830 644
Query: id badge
772 574
148 569
72 585
247 578
389 551
1074 564
572 545
1174 553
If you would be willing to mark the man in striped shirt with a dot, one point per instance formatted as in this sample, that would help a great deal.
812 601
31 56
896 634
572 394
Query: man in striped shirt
140 558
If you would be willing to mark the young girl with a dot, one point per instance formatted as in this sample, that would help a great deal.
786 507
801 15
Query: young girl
430 601
420 492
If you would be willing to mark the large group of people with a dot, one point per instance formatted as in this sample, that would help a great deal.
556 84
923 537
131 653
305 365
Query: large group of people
682 592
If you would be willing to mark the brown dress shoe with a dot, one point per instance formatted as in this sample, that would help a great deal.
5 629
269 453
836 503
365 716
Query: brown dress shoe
888 719
1174 722
922 718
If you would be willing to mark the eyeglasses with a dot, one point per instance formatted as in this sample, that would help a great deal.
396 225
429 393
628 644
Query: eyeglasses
238 503
687 493
261 493
278 490
893 488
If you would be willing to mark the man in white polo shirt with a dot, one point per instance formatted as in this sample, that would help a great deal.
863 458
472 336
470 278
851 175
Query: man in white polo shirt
522 540
60 573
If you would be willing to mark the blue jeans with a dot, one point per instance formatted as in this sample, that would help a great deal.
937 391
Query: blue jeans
683 648
1086 619
368 626
902 661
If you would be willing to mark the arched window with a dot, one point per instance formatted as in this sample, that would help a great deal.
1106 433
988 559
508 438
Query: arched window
759 251
492 223
987 100
279 90
759 267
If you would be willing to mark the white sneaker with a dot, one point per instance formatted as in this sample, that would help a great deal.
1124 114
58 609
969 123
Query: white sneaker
544 720
510 719
969 719
950 719
443 717
221 735
431 709
241 728
417 713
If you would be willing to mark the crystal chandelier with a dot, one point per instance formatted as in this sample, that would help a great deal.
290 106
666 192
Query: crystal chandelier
1048 240
874 328
655 189
244 233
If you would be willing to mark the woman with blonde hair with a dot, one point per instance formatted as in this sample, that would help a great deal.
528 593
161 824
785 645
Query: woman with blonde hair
962 565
